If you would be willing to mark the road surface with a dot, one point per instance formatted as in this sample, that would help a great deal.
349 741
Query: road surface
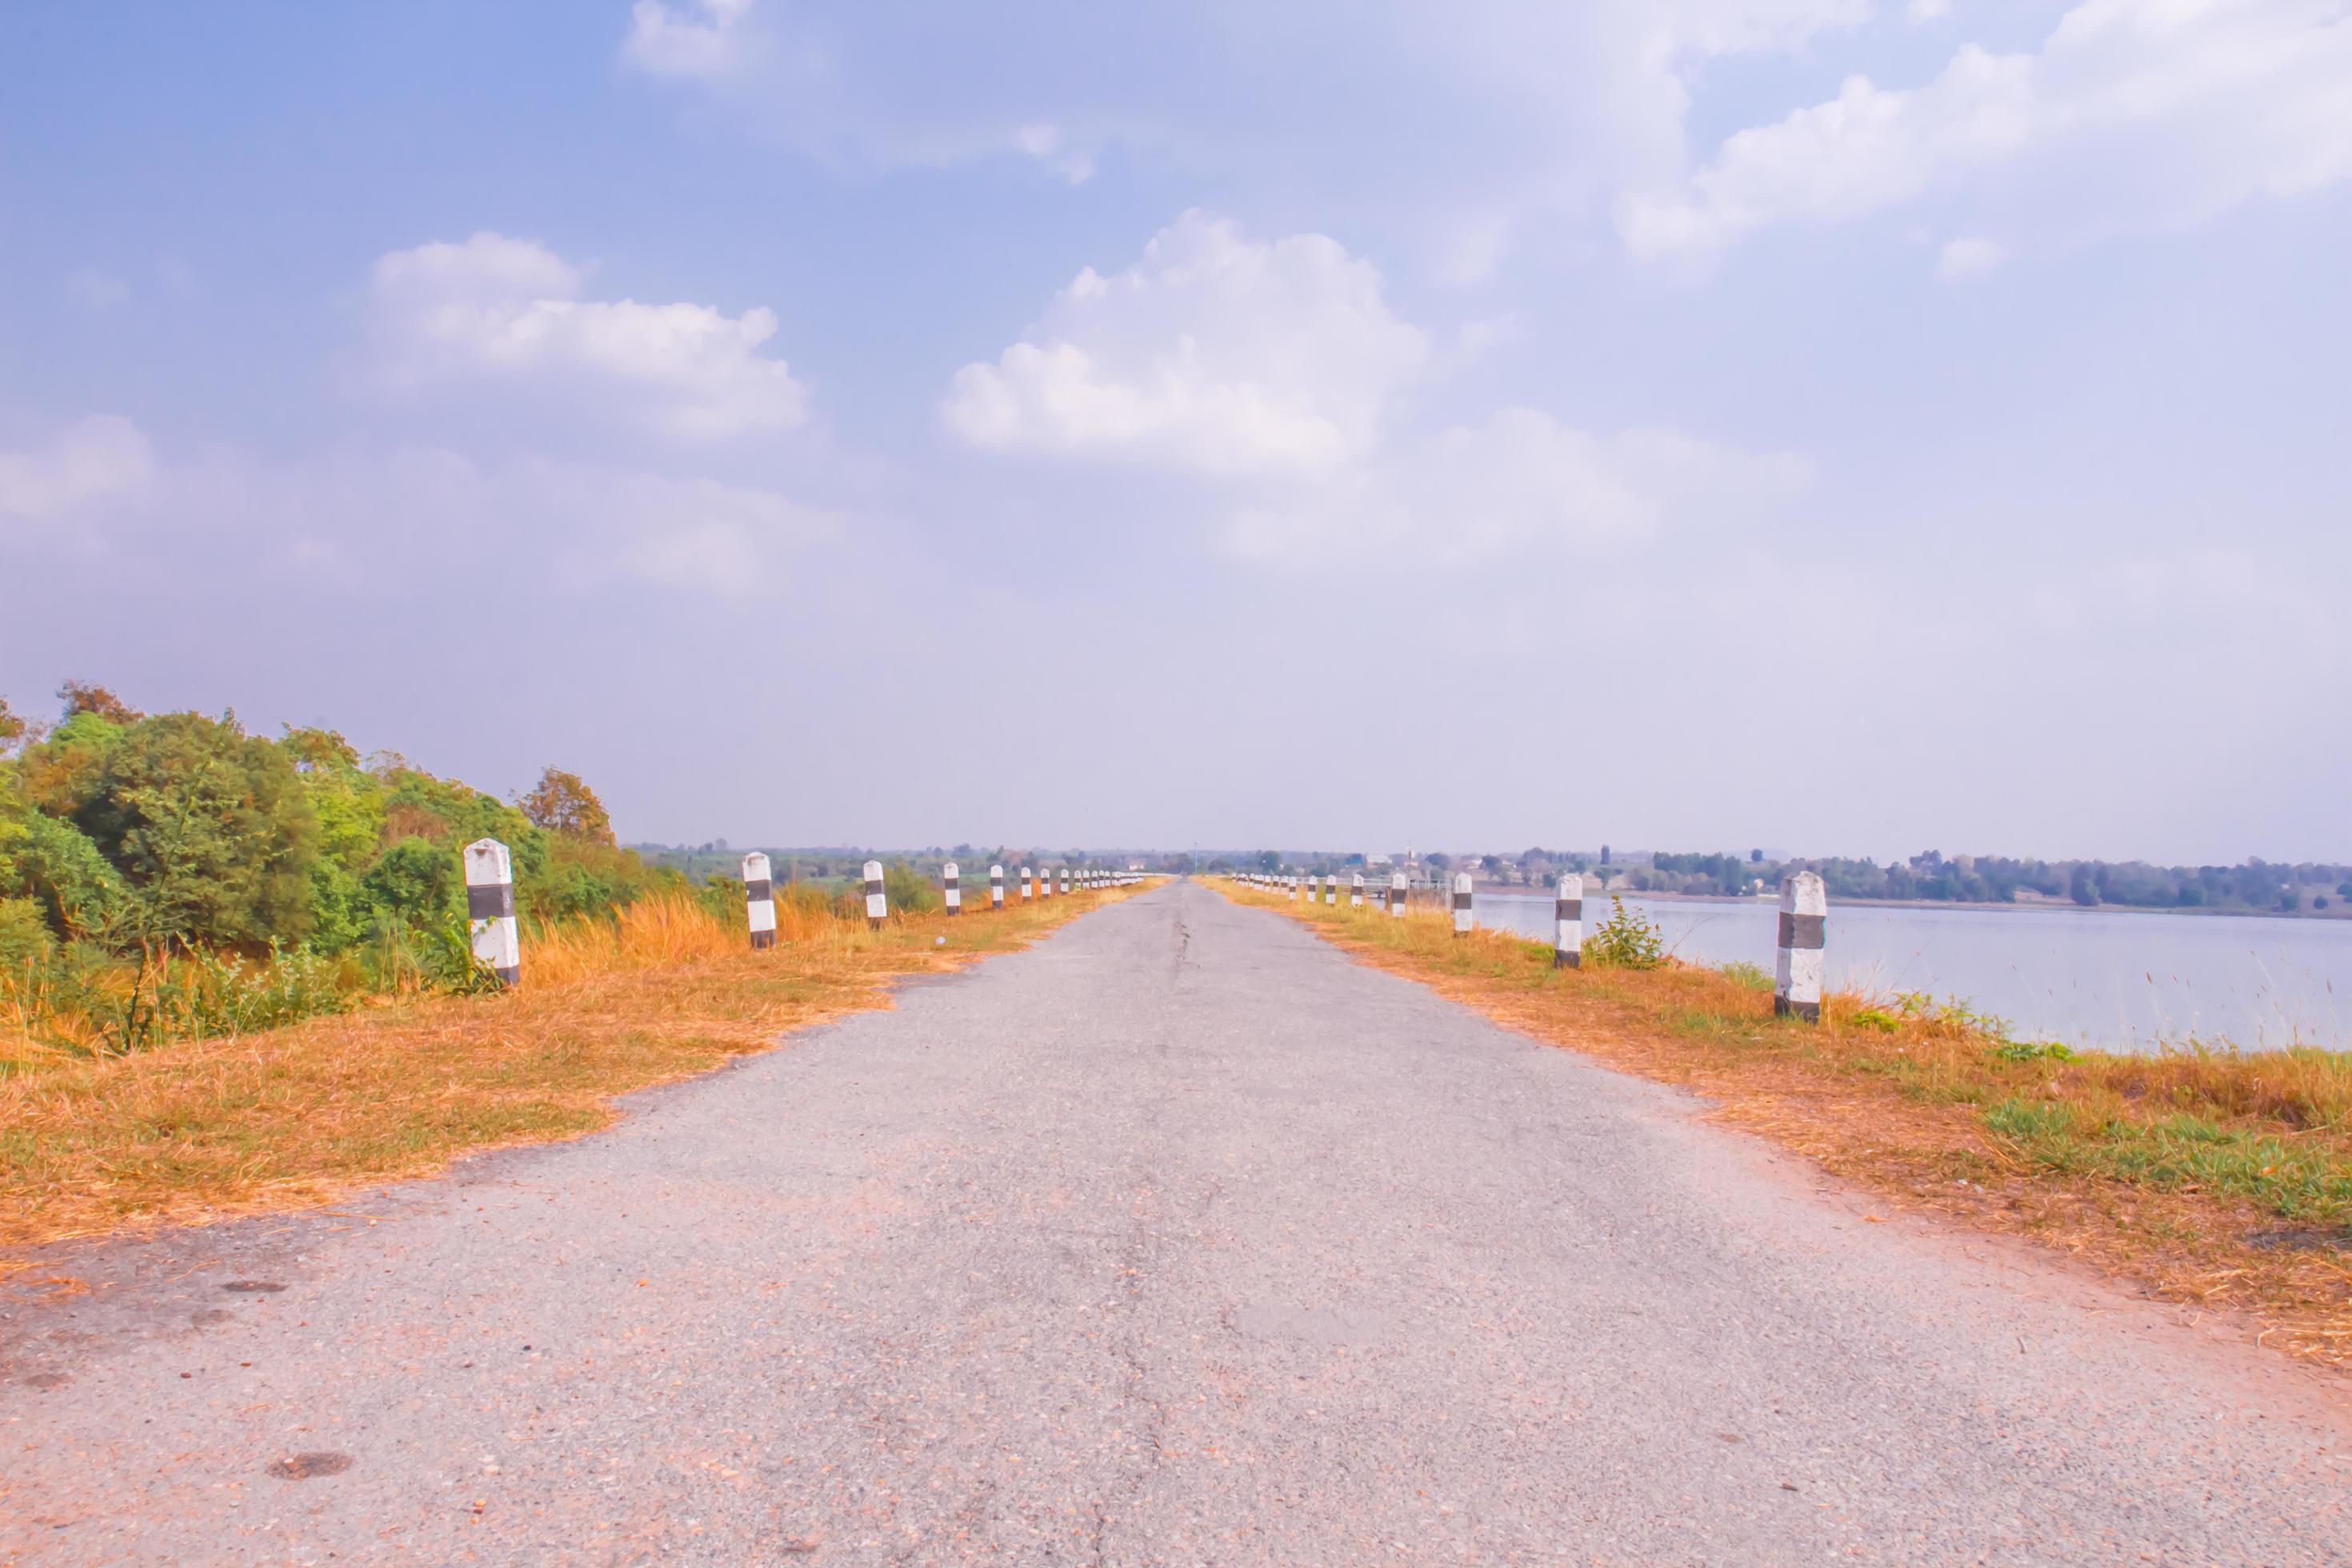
1178 1240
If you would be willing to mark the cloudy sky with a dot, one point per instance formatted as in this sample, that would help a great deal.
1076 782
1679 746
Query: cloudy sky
1847 425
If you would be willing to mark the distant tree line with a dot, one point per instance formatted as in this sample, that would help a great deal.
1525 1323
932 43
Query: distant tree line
2254 885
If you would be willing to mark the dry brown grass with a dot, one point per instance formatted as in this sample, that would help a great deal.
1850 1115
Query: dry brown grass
200 1130
2183 1173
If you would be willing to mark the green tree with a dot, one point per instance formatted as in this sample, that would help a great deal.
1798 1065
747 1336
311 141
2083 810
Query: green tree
210 828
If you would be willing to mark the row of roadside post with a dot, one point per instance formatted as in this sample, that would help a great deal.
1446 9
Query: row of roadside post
1798 959
498 938
1083 879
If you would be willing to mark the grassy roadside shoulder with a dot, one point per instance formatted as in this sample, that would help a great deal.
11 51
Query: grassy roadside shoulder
195 1131
2219 1179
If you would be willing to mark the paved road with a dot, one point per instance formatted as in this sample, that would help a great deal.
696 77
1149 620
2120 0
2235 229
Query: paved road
1176 1239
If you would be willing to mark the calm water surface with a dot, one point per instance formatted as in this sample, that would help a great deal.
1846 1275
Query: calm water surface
2090 978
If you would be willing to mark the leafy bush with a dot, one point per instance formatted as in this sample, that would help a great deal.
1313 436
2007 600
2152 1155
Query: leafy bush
24 936
910 892
53 864
1625 941
416 882
212 994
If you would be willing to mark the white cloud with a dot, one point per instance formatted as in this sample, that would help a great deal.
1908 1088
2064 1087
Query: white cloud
1277 371
704 39
363 514
1521 482
1464 122
2134 115
359 516
1923 12
689 534
1215 354
1050 145
1969 256
88 462
498 311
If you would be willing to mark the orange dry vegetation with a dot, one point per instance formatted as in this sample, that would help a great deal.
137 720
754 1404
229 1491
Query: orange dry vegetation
1911 1107
200 1130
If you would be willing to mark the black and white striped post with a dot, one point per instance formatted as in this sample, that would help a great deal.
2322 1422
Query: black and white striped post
1292 884
1567 914
1796 969
877 902
1355 892
1064 890
952 888
996 887
1398 888
760 899
1465 920
1330 889
490 909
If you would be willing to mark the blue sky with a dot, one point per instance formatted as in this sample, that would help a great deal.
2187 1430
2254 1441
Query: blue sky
1852 428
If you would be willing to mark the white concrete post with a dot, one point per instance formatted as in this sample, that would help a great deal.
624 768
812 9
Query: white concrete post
1398 888
1028 885
1330 889
877 903
1064 889
1567 914
996 887
953 887
1796 969
1465 918
490 909
1291 882
1355 892
760 899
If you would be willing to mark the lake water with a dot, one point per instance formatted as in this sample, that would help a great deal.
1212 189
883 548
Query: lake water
2089 977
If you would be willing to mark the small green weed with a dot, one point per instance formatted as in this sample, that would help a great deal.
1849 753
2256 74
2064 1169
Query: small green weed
1625 941
2031 1051
1754 977
1951 1010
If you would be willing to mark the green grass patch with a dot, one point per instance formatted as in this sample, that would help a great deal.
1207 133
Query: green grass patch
2296 1182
